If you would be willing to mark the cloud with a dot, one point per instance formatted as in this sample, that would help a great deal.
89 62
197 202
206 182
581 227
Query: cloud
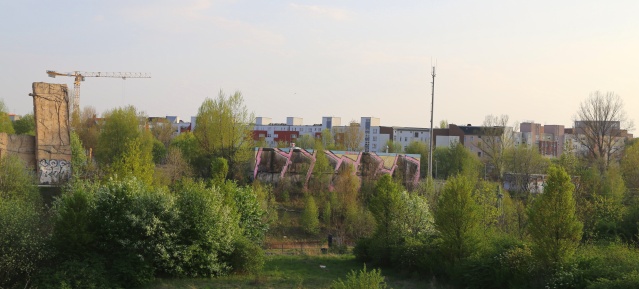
327 12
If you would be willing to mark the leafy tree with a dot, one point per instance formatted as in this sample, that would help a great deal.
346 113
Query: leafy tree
322 170
224 130
162 130
136 161
219 170
158 151
16 181
393 147
522 162
496 139
600 125
188 146
87 126
630 167
420 148
79 157
458 218
352 136
121 127
5 122
327 139
25 125
247 205
174 169
553 225
455 160
310 220
306 141
24 236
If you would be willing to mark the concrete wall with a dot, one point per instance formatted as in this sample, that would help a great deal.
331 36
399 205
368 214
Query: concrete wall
52 141
21 145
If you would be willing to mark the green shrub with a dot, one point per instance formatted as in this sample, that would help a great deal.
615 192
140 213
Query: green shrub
310 220
86 273
247 257
361 280
630 281
409 256
506 263
362 248
207 229
611 261
23 240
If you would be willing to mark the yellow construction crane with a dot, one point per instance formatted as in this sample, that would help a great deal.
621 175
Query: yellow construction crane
80 75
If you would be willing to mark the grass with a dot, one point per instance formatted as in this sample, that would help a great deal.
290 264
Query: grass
293 271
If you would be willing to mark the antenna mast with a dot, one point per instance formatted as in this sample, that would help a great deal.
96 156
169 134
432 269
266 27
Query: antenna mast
430 146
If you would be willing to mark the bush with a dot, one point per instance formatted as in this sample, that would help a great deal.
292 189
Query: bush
409 256
247 257
72 273
22 242
611 262
208 227
310 216
507 263
361 280
362 248
630 281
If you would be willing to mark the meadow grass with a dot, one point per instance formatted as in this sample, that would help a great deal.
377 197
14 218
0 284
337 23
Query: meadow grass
294 271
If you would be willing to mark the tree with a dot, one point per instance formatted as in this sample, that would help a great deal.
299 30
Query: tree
78 156
522 162
419 148
175 168
88 127
601 125
162 130
455 160
328 141
310 216
353 136
124 149
393 147
25 125
630 167
306 141
16 181
458 218
224 130
5 122
553 225
496 138
122 125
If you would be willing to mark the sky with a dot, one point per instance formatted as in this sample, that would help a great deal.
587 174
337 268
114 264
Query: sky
530 60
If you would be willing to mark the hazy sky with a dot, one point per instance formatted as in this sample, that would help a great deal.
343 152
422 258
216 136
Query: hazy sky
532 60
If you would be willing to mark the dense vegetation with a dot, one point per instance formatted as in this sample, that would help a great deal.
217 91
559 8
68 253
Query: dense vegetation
151 206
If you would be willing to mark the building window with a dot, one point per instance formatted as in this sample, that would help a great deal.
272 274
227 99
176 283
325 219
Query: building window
405 138
374 138
374 130
268 135
374 146
479 154
416 134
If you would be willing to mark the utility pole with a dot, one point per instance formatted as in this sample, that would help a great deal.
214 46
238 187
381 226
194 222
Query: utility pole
430 146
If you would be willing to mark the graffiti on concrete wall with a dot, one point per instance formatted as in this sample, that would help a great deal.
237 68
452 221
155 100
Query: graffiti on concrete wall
273 165
54 171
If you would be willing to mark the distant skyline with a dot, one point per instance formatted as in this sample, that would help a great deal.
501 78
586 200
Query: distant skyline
532 60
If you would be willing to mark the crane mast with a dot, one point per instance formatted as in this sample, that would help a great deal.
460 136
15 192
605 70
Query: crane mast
80 75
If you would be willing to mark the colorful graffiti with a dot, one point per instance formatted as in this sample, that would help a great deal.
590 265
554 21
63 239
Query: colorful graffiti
273 165
53 171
